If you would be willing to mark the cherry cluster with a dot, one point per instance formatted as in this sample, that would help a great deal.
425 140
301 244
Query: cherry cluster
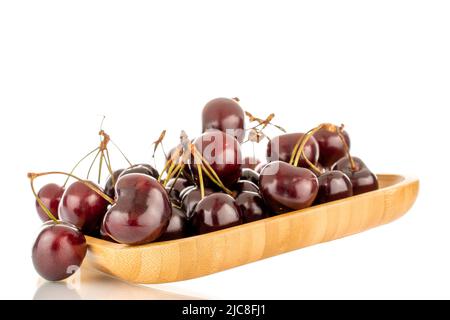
206 185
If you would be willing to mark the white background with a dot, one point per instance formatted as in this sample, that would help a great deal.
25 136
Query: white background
380 67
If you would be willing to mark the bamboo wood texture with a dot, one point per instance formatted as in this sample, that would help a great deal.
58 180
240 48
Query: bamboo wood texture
198 256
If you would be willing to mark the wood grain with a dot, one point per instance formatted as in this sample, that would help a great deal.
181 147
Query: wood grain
198 256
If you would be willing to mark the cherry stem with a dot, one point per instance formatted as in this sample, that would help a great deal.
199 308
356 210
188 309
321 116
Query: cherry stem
89 184
91 166
100 165
347 150
41 204
108 165
301 143
123 154
312 166
78 163
200 178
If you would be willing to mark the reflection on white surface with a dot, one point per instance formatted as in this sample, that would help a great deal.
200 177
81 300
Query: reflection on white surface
89 284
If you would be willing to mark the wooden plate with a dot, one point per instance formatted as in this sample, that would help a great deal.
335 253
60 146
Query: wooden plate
214 252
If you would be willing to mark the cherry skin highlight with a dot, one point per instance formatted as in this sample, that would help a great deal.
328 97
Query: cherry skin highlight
83 207
58 251
225 115
174 188
333 185
110 186
178 226
252 206
142 168
280 149
142 211
245 185
191 198
286 188
50 195
250 175
331 146
215 212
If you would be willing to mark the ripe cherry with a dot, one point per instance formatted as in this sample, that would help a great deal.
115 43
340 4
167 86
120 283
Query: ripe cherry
111 183
344 164
142 211
259 167
174 188
252 206
225 115
333 185
245 185
178 226
250 175
50 195
58 251
215 212
142 168
286 188
191 198
280 149
83 207
331 146
223 153
363 180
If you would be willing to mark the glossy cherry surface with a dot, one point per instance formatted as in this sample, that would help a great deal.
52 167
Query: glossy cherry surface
245 185
259 167
252 206
58 251
250 175
142 211
191 198
83 207
174 188
225 115
178 226
344 164
281 148
215 212
362 180
333 185
286 188
142 168
331 146
250 163
50 195
223 153
111 183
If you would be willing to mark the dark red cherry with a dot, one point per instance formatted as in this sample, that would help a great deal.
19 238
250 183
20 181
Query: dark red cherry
185 191
225 115
215 212
58 251
50 194
250 175
174 187
331 147
223 153
83 207
178 226
286 188
142 168
344 164
259 167
252 206
362 181
245 185
104 235
250 163
333 185
142 211
110 186
191 198
281 148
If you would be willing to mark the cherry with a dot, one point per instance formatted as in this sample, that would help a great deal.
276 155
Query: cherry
215 212
111 183
191 198
58 251
281 148
142 211
142 168
83 207
178 226
185 191
252 206
331 146
333 185
245 185
225 115
223 153
344 164
259 167
174 188
104 235
250 163
285 187
50 195
250 175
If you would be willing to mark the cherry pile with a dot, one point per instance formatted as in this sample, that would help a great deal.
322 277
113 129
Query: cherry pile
206 185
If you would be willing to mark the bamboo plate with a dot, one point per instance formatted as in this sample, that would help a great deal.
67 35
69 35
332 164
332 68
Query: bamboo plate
214 252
